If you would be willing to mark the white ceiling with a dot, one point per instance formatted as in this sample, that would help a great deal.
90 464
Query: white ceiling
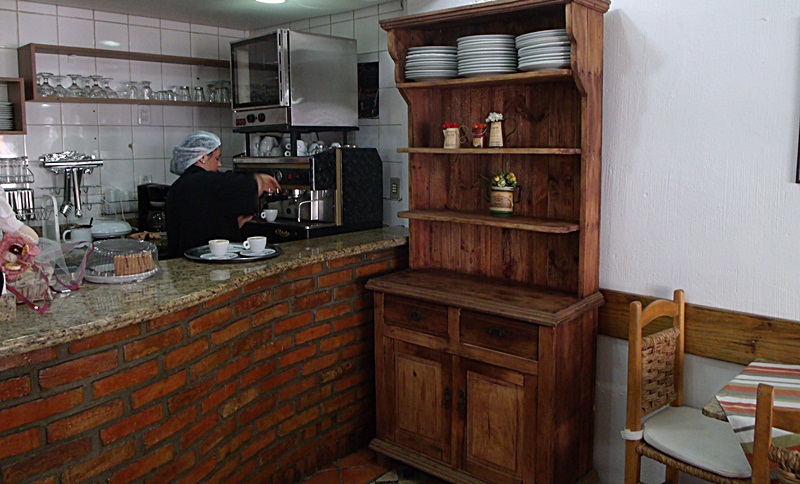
233 14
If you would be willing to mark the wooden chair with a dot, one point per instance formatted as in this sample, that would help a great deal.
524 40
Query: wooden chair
763 452
680 437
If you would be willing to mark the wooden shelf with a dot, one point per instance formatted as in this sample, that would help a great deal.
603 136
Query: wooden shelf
16 96
552 75
493 151
529 224
489 295
124 101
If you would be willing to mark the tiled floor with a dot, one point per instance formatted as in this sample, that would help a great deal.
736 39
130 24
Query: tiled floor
361 467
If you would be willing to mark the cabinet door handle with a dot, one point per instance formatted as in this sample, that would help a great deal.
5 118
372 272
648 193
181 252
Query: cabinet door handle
495 331
415 316
446 404
462 401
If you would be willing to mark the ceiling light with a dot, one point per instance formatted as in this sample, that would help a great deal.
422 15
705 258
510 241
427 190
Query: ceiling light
271 1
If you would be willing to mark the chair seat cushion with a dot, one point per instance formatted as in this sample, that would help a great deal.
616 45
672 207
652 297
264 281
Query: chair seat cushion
688 435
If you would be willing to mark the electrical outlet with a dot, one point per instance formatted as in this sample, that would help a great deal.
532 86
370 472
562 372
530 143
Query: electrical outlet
394 188
144 114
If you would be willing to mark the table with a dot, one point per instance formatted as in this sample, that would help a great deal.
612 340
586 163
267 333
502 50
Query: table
738 401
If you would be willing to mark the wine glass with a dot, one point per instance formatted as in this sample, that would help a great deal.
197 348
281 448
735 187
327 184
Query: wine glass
146 91
61 91
87 86
96 91
74 90
46 89
110 93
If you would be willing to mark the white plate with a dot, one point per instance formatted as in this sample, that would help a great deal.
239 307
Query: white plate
483 55
542 33
528 60
485 37
426 48
427 55
250 253
432 65
227 256
549 43
489 72
545 64
543 50
98 279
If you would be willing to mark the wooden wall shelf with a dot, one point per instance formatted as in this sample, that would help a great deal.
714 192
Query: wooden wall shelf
125 101
553 75
530 224
16 96
492 151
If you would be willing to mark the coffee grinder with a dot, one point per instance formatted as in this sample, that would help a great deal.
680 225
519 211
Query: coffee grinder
152 207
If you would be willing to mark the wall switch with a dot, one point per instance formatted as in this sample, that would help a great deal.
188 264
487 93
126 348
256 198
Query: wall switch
144 114
394 188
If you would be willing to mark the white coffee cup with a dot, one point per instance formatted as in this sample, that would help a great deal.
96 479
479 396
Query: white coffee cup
78 235
218 247
269 214
255 244
266 145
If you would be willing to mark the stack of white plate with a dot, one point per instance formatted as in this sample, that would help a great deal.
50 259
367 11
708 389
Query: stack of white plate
486 55
6 117
431 63
546 49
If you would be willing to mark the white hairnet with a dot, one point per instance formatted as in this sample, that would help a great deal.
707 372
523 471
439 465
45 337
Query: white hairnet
192 148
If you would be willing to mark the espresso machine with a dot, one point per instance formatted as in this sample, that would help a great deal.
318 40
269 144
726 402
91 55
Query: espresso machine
335 191
152 207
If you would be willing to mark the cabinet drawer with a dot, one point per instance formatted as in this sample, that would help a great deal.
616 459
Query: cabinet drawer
500 334
416 315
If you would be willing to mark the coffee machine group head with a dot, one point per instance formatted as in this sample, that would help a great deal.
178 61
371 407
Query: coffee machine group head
152 207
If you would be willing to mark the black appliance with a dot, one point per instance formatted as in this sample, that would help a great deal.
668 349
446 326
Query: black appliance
152 207
336 191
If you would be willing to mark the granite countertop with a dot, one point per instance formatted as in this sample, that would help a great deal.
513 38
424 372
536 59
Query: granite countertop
180 283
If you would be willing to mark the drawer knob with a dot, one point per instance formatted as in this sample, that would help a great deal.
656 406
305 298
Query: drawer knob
462 401
495 331
415 316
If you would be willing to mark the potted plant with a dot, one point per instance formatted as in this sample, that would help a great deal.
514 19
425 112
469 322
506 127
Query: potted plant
502 190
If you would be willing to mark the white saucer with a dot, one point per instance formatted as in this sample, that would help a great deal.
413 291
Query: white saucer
227 256
250 253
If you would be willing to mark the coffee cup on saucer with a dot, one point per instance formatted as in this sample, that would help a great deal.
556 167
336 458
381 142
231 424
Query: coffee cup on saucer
255 244
218 247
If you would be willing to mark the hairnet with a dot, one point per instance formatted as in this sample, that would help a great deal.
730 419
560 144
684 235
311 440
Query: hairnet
192 148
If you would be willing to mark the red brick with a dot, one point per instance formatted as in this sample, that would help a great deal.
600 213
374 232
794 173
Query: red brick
184 354
143 465
19 443
296 388
338 402
234 443
312 301
270 314
334 311
263 440
131 424
294 288
381 254
172 317
336 372
232 369
259 372
83 421
278 380
50 457
219 433
303 271
318 364
28 359
190 395
351 321
348 291
297 421
230 331
223 471
273 348
312 333
344 261
151 344
209 320
338 341
243 472
45 480
256 410
262 284
240 400
299 321
199 472
210 362
125 379
173 470
223 298
372 269
198 430
252 302
363 302
110 458
297 356
25 413
170 427
215 399
79 369
145 395
358 349
335 278
254 339
271 420
15 388
103 339
314 397
352 380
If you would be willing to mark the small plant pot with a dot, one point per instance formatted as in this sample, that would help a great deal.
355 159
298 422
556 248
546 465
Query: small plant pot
501 201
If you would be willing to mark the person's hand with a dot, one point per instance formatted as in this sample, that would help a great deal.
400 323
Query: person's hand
266 182
242 219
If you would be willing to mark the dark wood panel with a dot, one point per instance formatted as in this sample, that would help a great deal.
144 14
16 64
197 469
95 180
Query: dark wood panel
714 333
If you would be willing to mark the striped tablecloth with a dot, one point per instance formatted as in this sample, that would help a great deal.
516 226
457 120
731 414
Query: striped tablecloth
738 399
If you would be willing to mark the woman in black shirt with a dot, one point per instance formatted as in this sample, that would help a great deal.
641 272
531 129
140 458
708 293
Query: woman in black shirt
204 203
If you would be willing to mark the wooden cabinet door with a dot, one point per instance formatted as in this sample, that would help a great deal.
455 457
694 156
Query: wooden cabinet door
497 408
420 410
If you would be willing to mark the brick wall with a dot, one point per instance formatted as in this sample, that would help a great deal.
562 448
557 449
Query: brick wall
267 383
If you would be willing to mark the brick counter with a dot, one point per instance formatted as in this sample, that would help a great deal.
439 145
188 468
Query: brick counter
267 382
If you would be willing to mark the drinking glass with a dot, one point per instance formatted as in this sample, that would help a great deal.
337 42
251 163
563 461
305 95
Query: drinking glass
130 91
225 92
146 91
46 89
74 90
87 86
96 91
198 94
213 94
61 91
110 93
183 93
